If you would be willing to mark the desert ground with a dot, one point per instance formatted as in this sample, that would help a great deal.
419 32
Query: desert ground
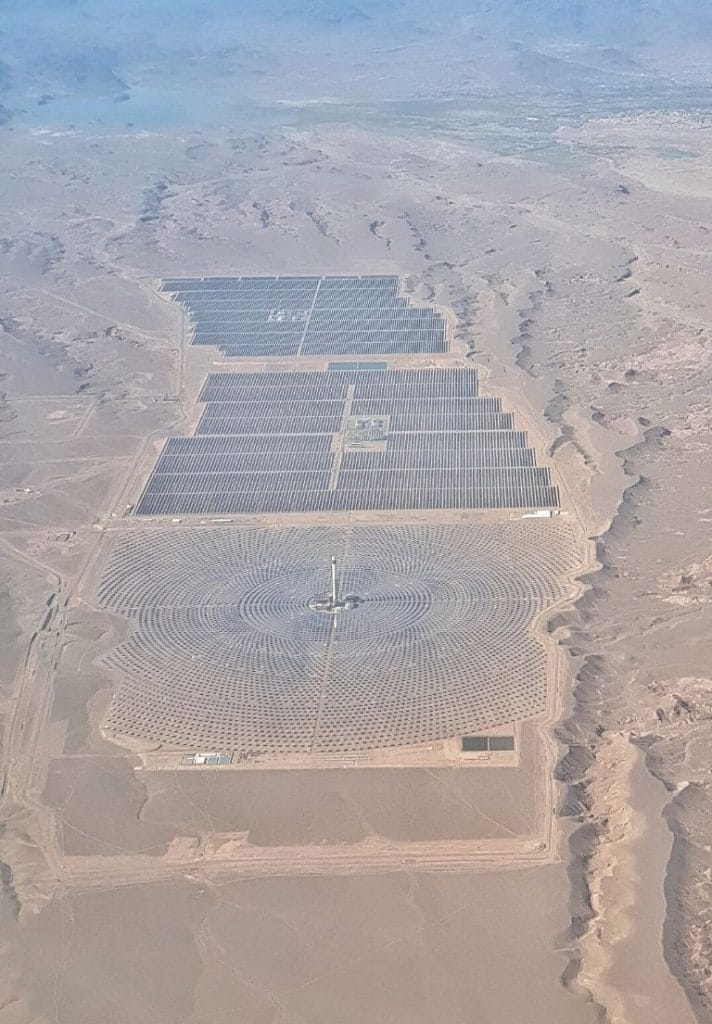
572 255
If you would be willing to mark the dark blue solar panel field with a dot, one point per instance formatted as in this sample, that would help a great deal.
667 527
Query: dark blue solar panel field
306 316
341 441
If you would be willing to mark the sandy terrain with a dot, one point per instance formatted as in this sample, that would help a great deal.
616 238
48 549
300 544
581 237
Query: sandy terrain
578 279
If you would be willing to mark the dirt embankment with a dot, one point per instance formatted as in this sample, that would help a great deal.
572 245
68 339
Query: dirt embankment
634 818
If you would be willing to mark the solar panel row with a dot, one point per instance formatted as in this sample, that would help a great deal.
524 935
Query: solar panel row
369 342
466 440
233 462
215 424
212 423
242 322
294 304
239 327
391 319
410 403
267 409
247 444
428 458
414 377
267 348
427 407
471 441
389 384
250 483
217 503
362 481
265 351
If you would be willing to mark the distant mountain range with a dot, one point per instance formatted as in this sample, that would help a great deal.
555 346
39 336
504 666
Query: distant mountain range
53 52
619 21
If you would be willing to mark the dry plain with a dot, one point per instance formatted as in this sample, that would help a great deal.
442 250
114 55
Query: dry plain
128 895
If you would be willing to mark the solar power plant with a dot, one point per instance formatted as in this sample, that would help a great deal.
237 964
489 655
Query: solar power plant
305 316
229 650
347 440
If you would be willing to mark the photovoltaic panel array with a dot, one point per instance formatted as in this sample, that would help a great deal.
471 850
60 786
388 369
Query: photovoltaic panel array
347 440
306 316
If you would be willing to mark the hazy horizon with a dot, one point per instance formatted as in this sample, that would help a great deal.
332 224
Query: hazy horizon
195 65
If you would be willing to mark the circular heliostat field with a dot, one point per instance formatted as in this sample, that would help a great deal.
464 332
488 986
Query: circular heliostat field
230 649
